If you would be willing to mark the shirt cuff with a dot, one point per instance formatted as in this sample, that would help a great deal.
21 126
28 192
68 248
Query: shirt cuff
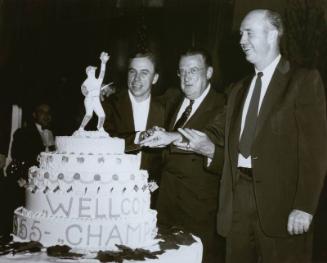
137 137
209 160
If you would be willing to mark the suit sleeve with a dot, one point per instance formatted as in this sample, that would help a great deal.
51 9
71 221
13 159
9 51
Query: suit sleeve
112 123
18 146
310 116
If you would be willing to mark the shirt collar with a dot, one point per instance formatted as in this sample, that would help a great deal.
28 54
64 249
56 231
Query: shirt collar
203 95
270 68
39 127
133 100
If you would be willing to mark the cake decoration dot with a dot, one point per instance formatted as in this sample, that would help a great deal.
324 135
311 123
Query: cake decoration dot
118 160
97 177
65 159
132 176
115 177
77 176
80 159
61 176
101 160
136 188
46 175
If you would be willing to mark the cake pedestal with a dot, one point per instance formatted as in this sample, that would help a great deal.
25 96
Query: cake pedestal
184 254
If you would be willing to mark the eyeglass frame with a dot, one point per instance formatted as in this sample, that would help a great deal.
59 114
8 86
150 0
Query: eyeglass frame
193 74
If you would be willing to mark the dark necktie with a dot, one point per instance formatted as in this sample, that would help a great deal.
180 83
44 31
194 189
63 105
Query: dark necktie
181 121
251 119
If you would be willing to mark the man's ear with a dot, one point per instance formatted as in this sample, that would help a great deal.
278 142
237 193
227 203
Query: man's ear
272 36
155 78
209 72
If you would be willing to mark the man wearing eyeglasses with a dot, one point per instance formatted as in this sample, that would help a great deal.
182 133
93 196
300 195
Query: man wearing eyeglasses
133 111
188 192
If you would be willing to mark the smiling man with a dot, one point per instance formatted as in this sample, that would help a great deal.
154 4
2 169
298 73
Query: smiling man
133 111
276 152
188 192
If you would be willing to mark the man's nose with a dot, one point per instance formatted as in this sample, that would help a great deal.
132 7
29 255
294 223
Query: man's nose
243 39
137 76
187 76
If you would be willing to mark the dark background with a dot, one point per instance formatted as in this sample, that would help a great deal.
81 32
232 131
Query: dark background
45 46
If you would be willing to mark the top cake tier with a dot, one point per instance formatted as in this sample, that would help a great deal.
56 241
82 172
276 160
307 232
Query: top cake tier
89 142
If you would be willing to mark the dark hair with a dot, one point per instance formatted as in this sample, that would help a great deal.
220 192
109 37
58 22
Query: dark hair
275 20
38 102
198 51
145 54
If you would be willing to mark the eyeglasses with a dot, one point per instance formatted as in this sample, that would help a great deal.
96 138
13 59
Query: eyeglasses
191 72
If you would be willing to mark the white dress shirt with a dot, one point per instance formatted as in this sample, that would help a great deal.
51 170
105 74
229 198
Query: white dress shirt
265 80
140 112
46 136
195 106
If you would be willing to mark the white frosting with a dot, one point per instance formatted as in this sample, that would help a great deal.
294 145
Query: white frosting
91 234
89 162
89 195
89 145
106 204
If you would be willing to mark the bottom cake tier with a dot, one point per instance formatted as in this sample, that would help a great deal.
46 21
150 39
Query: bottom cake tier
182 254
86 233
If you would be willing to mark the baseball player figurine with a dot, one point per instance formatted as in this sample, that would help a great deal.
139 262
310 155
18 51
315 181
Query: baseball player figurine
91 89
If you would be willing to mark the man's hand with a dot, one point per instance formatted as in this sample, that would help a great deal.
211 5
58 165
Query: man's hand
104 57
149 132
197 142
160 139
107 90
298 222
2 161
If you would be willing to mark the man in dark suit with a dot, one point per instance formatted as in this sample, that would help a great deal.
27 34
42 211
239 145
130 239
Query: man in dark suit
133 111
275 152
188 192
28 142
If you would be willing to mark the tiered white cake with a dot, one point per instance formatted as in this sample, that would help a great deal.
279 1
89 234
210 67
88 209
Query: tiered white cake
88 194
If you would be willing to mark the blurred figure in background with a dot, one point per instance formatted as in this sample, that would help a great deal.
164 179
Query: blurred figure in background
28 142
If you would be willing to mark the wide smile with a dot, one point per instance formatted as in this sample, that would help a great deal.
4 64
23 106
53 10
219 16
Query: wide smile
137 85
247 50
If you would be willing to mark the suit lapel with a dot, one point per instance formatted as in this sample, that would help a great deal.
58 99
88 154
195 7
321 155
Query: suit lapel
275 89
154 114
174 116
206 105
233 125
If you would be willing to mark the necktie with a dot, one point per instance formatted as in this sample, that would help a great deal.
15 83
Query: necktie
181 121
251 119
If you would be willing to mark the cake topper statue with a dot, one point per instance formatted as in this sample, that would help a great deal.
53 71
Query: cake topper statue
91 89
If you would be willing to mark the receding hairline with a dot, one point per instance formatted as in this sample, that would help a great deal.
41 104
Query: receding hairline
270 18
